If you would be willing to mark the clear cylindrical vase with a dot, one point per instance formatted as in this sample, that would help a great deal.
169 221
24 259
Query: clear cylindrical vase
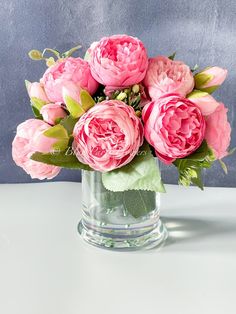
128 220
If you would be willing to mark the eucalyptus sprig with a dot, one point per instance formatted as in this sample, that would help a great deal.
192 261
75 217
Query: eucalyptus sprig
37 55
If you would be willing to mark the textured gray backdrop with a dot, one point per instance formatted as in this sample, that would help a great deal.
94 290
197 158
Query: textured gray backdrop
202 32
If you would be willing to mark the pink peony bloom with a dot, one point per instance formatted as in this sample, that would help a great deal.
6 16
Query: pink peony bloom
75 70
52 112
204 101
108 136
218 131
29 139
36 90
174 126
210 78
165 76
119 60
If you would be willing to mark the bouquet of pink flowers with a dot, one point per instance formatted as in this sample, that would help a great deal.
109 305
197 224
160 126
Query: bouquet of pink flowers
116 110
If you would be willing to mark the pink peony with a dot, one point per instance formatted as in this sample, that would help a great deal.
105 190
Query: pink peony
108 136
204 101
52 112
174 126
75 70
29 139
165 76
36 90
218 131
119 60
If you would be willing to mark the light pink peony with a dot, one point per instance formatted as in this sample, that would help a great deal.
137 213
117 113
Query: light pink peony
108 136
174 126
119 60
218 131
75 70
204 101
29 139
52 112
36 90
165 76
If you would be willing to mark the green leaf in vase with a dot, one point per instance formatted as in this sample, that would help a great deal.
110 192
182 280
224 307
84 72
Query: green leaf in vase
139 203
142 173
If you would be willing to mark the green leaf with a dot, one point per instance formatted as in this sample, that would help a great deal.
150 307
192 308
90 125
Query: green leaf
190 167
201 153
142 173
37 103
202 79
35 54
139 203
211 89
231 151
27 83
197 94
73 107
223 165
68 123
36 113
197 180
65 159
68 53
172 57
195 68
58 132
87 101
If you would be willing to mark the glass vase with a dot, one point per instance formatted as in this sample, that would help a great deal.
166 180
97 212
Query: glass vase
128 220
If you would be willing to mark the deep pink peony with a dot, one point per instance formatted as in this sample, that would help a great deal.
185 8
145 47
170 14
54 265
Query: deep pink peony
119 60
108 136
174 126
29 139
65 71
52 112
218 131
165 76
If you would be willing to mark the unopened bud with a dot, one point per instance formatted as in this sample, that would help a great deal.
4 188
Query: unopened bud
121 96
135 89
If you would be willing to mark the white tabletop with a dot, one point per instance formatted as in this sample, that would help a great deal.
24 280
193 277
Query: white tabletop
46 268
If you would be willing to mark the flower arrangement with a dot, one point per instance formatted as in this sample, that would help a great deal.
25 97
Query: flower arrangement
116 110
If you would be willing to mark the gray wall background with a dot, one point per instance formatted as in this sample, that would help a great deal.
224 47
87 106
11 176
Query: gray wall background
202 32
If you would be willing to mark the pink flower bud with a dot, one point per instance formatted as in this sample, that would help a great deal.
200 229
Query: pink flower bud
29 139
36 90
210 79
52 112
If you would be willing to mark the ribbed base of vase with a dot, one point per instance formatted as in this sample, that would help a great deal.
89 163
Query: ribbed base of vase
127 239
